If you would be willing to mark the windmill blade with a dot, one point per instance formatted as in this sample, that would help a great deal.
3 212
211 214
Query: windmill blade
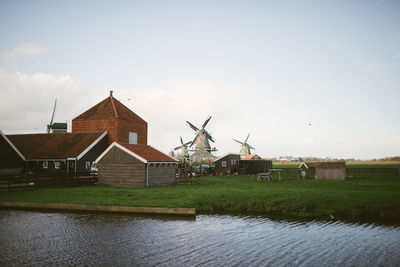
205 123
178 147
247 138
237 141
191 143
185 144
181 140
252 147
210 137
54 111
52 117
193 127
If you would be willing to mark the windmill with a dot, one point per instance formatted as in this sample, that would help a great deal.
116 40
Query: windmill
56 127
245 150
201 141
184 149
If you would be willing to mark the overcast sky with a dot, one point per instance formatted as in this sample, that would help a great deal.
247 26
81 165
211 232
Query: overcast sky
305 78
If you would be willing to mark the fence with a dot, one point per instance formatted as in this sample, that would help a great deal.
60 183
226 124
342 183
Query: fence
351 172
40 180
373 172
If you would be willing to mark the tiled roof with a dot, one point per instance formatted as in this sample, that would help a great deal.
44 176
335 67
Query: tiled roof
109 108
53 146
250 156
148 153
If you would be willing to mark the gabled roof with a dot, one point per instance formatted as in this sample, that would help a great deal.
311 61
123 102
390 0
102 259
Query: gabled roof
56 145
223 156
109 108
251 156
303 164
144 153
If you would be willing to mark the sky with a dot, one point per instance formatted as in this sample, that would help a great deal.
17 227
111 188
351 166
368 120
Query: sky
304 78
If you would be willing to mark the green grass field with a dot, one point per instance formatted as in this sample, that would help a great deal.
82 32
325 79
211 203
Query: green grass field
376 198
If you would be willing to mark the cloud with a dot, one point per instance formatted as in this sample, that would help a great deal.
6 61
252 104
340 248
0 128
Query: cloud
27 100
26 49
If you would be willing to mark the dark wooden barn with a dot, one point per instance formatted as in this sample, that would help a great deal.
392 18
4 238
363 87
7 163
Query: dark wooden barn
254 166
130 165
59 153
227 164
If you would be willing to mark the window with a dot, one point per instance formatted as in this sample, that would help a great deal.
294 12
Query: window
223 163
45 164
56 165
87 165
132 138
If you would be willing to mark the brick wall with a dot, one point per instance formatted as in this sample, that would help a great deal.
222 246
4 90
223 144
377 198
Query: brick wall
118 130
132 126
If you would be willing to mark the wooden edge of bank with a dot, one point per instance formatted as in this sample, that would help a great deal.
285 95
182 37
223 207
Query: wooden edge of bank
117 209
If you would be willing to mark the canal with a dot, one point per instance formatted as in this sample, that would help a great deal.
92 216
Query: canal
70 239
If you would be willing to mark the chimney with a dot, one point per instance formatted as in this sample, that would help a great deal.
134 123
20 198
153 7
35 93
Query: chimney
111 92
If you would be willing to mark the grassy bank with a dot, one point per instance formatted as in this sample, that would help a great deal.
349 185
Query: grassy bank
374 198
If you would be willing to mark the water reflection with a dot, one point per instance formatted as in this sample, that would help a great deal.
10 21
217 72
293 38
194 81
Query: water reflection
42 238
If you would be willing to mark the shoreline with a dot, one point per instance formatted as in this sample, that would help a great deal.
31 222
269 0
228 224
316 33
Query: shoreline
100 208
359 213
361 199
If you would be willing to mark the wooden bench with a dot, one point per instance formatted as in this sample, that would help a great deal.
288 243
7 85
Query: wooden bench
268 174
264 175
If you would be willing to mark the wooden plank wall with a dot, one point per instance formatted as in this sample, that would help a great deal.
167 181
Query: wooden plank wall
118 168
127 175
330 173
162 175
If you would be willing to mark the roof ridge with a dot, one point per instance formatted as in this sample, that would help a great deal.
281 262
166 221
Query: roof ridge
52 134
112 103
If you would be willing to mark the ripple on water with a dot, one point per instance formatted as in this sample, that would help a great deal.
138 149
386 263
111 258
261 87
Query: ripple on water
54 239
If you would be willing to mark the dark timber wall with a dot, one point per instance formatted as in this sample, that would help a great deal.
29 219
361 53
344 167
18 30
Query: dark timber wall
118 168
231 164
161 174
91 155
10 161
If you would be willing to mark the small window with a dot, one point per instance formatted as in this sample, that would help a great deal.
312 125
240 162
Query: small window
45 164
223 163
56 165
87 165
132 138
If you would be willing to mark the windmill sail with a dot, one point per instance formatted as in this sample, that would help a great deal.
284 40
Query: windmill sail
184 149
56 127
202 138
245 147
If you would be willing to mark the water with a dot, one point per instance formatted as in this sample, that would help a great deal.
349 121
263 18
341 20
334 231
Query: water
70 239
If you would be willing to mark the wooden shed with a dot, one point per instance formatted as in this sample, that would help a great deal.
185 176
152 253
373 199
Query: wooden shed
329 170
129 165
254 166
227 164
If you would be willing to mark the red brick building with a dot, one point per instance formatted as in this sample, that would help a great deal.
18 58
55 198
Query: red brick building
110 115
